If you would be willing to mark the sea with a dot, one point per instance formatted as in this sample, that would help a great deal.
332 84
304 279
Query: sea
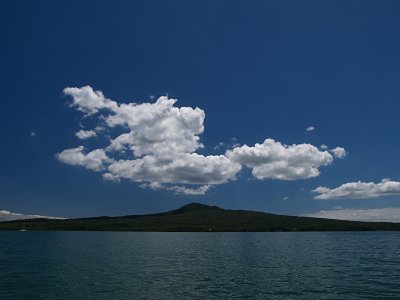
143 265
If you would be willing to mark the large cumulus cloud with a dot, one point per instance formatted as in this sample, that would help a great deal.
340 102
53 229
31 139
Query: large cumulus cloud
158 143
273 160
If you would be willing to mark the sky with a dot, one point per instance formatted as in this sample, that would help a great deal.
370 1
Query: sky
133 107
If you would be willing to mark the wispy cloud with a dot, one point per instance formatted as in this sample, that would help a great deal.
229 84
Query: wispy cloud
230 145
389 214
198 190
6 215
220 145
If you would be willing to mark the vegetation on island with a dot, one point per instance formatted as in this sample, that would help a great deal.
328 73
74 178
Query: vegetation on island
199 218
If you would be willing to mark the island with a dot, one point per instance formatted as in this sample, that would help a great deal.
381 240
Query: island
197 217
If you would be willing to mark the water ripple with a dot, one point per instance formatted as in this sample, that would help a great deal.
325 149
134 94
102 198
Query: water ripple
106 265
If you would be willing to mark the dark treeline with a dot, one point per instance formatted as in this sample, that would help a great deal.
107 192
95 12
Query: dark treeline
201 218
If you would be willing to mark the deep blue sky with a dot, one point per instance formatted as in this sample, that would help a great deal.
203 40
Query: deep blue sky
259 69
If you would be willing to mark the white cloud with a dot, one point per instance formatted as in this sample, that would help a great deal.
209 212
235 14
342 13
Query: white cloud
273 160
99 128
338 152
152 185
88 101
359 190
199 190
121 142
233 144
158 128
32 134
94 160
85 134
159 143
310 128
323 147
185 169
389 214
6 215
219 146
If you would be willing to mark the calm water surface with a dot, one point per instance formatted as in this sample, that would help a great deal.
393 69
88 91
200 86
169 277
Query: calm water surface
111 265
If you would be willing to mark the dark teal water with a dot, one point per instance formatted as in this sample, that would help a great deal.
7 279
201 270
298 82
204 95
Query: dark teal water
110 265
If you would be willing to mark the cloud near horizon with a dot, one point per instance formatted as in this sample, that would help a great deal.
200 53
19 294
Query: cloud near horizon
6 215
158 143
359 190
388 214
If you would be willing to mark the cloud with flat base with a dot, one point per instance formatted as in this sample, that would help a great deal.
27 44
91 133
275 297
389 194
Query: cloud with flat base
359 190
160 141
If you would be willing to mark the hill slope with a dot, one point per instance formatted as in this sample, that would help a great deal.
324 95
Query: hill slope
198 217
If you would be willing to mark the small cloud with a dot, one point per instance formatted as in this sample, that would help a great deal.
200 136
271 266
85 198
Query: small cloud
339 152
152 186
32 134
114 178
310 128
85 134
235 143
323 147
219 146
286 198
99 128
